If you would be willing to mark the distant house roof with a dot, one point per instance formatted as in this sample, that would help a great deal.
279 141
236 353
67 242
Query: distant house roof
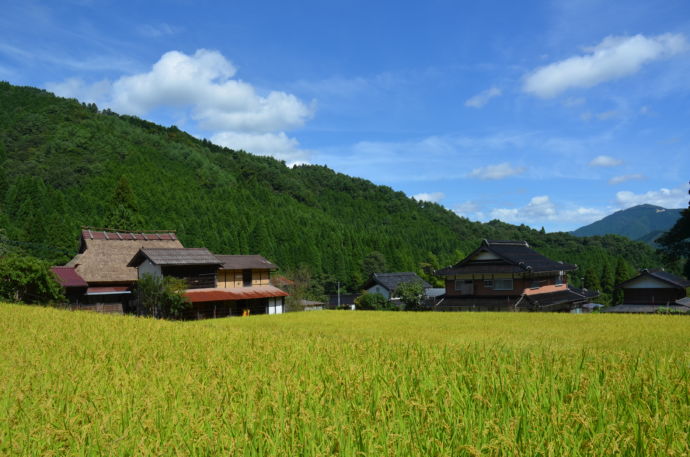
552 299
68 277
245 262
392 280
174 256
512 257
236 293
661 275
104 255
345 299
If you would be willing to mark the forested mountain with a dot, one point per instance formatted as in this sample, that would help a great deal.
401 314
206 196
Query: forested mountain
641 223
65 164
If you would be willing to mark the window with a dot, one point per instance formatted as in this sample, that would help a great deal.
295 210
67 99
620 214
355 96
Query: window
503 284
489 283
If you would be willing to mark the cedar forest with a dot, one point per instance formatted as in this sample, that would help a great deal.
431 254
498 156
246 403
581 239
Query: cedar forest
65 165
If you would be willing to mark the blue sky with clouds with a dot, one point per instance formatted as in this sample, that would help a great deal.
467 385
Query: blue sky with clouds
548 113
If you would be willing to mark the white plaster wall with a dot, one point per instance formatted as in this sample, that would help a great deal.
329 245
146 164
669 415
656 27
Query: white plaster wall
377 289
485 255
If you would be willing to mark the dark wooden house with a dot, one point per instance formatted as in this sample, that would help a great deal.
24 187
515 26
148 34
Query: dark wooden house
651 290
509 276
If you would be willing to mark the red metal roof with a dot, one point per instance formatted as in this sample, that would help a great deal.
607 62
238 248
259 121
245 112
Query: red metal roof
107 290
237 293
68 277
90 234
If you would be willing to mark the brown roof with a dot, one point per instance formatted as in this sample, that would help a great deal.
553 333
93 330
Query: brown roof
104 255
68 277
174 256
245 262
236 293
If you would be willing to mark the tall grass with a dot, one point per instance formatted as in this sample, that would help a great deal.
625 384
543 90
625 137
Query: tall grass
344 383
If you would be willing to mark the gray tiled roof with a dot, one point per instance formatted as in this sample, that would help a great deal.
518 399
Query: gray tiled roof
392 280
245 262
175 256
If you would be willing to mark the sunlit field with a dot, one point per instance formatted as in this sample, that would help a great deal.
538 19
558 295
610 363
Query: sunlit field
344 383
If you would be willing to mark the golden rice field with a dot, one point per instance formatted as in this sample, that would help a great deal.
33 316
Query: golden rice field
344 383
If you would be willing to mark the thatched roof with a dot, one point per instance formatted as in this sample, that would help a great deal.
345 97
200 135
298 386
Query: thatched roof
104 255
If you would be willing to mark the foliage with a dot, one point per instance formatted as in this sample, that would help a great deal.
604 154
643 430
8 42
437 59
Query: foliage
620 276
161 297
28 280
675 244
346 384
410 294
73 166
374 262
304 287
372 301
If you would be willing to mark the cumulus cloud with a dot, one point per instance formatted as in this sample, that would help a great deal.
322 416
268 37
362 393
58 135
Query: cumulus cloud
613 58
668 198
277 145
204 86
625 178
605 161
434 197
542 208
482 98
499 171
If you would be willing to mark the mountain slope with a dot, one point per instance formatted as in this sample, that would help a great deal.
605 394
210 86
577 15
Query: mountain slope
642 222
62 165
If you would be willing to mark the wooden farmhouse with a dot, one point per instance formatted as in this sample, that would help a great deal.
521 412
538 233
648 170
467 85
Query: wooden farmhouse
102 263
102 277
509 276
651 290
217 285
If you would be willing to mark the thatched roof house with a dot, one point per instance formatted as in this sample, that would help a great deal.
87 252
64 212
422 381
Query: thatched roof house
104 255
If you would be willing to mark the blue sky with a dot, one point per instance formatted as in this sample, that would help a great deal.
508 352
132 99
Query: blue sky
547 113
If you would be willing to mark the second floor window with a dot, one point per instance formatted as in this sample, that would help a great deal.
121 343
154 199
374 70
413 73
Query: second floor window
503 284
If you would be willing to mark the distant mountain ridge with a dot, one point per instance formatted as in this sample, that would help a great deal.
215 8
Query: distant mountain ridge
640 223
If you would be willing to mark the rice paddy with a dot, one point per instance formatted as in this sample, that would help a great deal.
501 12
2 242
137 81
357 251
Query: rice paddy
344 383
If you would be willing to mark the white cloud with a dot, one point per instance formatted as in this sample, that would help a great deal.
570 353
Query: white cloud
605 161
668 198
541 208
434 197
158 30
499 171
203 86
625 178
277 145
482 98
613 58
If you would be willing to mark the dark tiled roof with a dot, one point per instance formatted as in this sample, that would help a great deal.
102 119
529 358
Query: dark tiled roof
175 256
551 299
345 299
517 257
392 280
245 262
68 277
661 275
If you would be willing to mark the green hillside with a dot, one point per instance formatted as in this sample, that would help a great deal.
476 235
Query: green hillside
62 162
642 222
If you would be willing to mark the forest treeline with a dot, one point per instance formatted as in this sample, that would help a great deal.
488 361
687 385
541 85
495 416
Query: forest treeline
65 164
